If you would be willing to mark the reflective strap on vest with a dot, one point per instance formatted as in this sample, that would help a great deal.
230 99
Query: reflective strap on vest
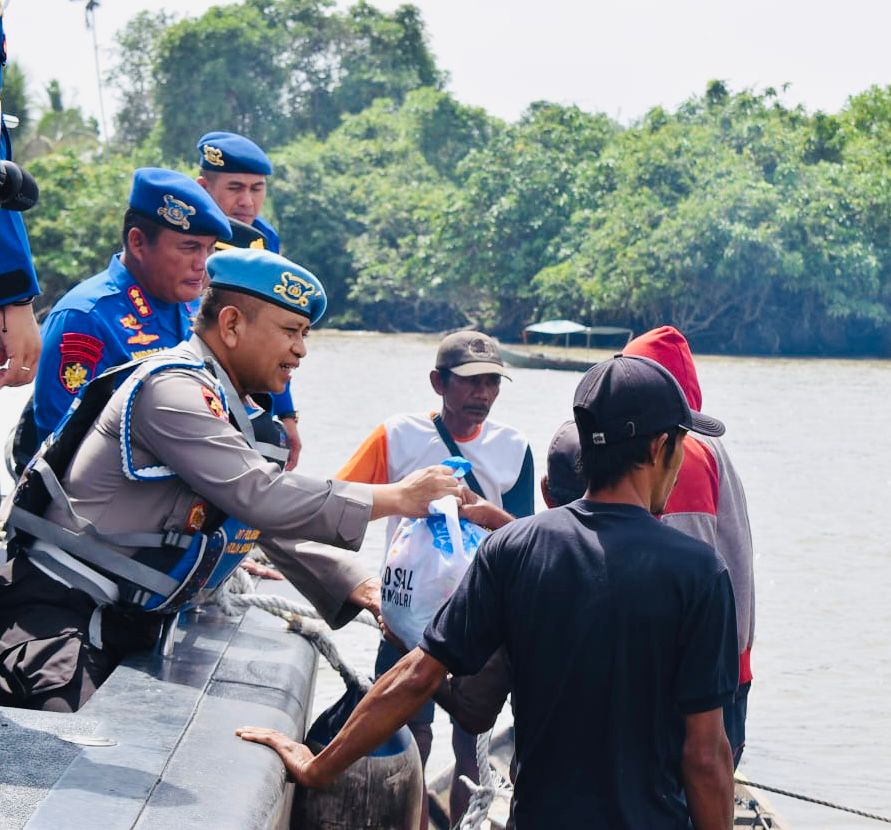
271 452
129 539
92 551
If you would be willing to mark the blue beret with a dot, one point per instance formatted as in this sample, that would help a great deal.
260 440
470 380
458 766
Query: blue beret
232 153
269 277
178 203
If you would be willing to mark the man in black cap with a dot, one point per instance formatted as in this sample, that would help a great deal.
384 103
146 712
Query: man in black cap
620 631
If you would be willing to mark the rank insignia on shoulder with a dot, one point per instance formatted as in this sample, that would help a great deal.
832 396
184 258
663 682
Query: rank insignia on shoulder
80 354
142 338
213 155
176 211
214 404
140 303
129 322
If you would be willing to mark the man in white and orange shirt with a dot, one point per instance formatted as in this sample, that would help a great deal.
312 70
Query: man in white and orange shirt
467 375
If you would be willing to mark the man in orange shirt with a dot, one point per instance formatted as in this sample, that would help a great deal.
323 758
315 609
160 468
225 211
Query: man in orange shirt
467 376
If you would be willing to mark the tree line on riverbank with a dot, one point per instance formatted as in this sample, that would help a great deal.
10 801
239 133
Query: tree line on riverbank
752 226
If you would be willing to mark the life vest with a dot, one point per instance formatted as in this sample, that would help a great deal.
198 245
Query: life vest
169 571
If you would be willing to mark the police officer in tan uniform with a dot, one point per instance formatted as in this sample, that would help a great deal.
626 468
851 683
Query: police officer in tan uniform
163 494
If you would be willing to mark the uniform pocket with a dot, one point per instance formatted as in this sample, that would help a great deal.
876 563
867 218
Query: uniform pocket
33 666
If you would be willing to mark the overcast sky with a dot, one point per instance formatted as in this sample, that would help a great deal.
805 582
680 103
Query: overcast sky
616 56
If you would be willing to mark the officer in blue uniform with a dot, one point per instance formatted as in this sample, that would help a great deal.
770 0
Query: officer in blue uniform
233 169
19 337
143 302
153 491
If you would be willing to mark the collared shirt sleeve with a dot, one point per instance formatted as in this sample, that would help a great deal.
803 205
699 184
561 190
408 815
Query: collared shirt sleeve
369 462
18 277
75 350
325 575
283 403
177 420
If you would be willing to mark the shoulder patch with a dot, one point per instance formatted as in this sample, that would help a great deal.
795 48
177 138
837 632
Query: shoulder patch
140 303
214 404
79 356
196 518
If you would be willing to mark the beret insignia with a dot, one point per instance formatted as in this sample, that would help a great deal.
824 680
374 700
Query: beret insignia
295 290
213 155
176 211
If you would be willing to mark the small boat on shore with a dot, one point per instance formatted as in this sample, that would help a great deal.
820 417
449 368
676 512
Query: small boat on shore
557 351
751 809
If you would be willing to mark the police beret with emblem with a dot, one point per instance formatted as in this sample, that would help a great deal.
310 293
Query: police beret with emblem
270 277
177 202
232 153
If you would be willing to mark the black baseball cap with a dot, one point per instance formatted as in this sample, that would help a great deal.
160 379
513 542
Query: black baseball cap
467 353
629 396
565 480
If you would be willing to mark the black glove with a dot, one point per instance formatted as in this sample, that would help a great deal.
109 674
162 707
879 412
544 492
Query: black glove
18 189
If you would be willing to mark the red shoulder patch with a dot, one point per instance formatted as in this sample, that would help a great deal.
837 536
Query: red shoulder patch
214 404
140 303
79 356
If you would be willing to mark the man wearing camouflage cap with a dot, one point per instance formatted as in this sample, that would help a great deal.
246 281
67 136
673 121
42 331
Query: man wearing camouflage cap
467 376
149 494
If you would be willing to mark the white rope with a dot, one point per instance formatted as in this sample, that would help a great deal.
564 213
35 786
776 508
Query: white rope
483 794
238 594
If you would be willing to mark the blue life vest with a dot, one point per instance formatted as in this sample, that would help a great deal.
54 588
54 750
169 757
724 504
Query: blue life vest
195 563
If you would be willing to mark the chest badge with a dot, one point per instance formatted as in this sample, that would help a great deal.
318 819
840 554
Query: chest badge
142 338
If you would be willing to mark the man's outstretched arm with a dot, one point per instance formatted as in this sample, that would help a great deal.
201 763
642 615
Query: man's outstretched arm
393 699
708 771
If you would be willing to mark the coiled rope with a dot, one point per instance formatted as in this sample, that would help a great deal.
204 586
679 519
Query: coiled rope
483 794
238 594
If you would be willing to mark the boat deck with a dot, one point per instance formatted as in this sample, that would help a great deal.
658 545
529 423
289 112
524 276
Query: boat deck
155 745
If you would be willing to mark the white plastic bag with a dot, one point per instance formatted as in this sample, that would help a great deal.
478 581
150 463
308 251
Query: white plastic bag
426 561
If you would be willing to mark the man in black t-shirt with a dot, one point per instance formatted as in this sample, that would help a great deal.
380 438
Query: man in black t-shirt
620 631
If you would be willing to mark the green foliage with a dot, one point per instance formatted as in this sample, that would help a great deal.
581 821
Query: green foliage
76 225
15 94
134 77
750 225
222 69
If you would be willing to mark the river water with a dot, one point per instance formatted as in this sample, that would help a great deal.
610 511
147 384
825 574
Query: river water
810 439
